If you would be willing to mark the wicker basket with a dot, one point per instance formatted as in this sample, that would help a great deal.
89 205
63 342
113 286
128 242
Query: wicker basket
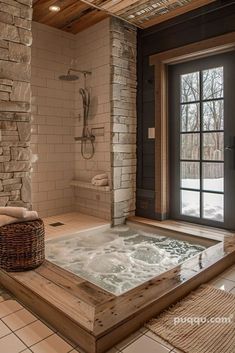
22 245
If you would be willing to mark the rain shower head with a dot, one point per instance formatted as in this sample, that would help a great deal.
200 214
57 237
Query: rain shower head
69 77
73 77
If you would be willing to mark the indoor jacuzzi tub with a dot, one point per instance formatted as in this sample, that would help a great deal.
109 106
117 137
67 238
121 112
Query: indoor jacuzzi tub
119 259
100 285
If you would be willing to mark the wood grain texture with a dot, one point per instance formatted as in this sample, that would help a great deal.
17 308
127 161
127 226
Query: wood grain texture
146 13
77 15
186 228
74 16
95 319
193 5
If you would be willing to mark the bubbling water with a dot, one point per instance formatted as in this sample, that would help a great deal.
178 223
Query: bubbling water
121 258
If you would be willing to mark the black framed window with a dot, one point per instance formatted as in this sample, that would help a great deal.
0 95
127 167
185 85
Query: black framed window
202 144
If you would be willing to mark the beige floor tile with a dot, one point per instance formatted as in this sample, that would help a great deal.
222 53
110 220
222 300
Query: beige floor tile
222 283
33 333
8 307
145 344
132 338
52 344
4 330
11 344
26 351
159 339
71 343
229 274
19 319
73 222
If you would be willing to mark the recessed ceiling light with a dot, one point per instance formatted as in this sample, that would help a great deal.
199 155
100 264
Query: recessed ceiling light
54 8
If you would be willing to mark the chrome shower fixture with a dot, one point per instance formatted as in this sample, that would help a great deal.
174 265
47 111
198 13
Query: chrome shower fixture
71 77
84 72
68 77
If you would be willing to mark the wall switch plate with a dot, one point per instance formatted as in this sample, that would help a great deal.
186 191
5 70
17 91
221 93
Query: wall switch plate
151 132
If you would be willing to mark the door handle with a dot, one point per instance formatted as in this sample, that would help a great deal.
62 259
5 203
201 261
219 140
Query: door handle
229 148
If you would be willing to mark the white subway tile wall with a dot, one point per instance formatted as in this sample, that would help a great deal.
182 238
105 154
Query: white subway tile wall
57 118
93 54
108 51
53 121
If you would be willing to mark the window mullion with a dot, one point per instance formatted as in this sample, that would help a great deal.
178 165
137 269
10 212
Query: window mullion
201 139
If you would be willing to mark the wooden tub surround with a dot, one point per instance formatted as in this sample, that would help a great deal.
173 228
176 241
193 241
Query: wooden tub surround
97 320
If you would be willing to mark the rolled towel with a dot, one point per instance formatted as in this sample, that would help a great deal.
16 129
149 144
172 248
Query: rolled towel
15 212
103 182
4 220
100 177
30 216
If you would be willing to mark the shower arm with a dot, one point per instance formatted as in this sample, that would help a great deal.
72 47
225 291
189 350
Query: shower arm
84 72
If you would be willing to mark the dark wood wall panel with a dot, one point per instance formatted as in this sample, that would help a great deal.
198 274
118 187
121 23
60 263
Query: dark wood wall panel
209 21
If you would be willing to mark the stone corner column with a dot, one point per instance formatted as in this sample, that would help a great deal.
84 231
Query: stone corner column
123 119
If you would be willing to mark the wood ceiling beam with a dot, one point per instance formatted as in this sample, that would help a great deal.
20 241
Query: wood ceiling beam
85 21
143 4
99 7
123 8
195 4
140 13
119 5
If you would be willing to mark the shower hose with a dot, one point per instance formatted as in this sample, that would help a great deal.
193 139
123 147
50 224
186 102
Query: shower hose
87 137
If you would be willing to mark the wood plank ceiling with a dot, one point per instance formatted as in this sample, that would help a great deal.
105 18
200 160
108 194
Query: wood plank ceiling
73 17
76 15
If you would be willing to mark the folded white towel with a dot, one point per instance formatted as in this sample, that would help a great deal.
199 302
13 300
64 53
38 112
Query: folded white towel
29 216
100 176
17 212
103 182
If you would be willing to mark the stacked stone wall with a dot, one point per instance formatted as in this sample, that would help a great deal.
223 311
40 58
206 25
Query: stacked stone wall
123 119
15 102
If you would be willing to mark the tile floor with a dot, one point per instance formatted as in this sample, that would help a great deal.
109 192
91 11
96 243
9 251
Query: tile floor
72 223
23 332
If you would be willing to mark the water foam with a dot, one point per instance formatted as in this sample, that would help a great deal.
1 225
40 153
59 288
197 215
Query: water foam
121 258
